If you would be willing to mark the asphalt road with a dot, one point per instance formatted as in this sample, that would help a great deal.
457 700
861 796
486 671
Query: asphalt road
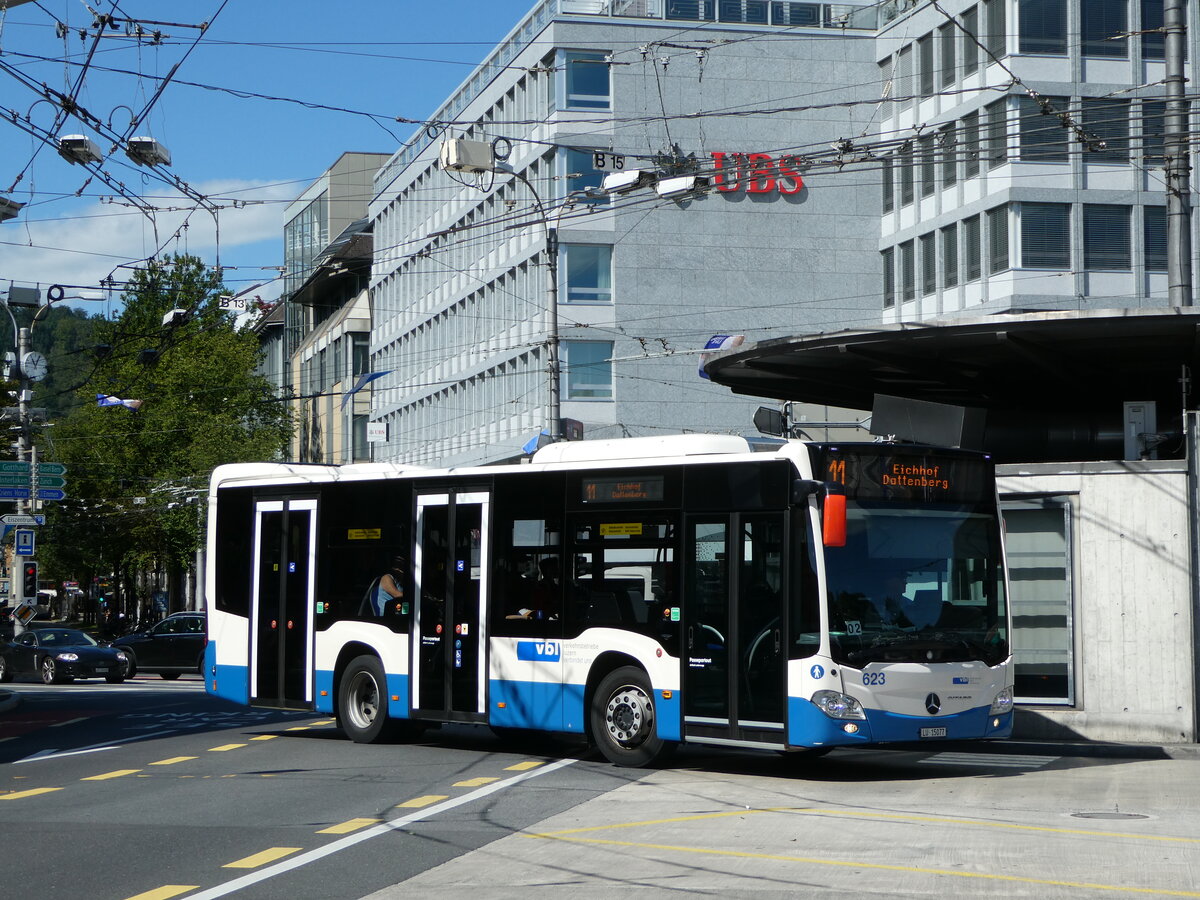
152 790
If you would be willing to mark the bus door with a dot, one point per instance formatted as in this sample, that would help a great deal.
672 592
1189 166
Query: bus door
281 638
734 655
450 574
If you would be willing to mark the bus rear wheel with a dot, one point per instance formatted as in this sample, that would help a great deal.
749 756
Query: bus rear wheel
623 720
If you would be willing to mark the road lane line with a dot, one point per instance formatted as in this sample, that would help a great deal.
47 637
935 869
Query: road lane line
475 782
417 802
32 792
352 840
261 859
164 892
68 722
347 827
523 766
265 737
173 760
107 775
224 747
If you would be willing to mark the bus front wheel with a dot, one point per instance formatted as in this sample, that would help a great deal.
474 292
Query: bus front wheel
362 700
623 719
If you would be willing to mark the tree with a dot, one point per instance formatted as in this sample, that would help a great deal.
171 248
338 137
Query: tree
138 475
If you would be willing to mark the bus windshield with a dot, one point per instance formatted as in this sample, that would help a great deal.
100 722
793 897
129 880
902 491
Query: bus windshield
917 584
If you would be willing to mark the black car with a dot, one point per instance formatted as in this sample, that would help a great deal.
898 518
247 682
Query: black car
171 648
59 655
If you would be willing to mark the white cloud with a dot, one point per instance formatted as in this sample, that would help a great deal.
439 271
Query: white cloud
90 240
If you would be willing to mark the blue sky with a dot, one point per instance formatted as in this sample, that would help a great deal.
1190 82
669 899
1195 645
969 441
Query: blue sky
390 58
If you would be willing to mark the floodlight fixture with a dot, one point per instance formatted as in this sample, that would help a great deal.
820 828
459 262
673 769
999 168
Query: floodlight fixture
624 182
680 185
9 209
77 149
146 151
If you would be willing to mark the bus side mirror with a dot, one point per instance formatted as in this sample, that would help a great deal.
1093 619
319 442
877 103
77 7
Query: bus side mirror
834 520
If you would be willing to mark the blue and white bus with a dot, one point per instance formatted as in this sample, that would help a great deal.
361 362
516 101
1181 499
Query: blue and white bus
781 595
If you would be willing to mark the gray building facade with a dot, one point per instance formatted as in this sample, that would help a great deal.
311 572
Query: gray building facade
644 281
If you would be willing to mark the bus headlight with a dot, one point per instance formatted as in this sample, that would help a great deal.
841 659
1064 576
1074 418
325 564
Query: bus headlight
838 706
1003 703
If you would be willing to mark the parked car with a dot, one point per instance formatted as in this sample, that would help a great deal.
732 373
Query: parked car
59 655
171 648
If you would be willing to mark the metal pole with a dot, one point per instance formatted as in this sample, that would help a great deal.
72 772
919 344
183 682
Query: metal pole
1175 151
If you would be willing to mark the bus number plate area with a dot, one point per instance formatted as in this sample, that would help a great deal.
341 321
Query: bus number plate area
933 732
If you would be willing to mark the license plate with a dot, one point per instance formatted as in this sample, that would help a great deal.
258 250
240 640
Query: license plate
933 732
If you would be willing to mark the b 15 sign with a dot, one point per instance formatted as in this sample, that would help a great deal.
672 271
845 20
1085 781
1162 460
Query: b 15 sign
756 173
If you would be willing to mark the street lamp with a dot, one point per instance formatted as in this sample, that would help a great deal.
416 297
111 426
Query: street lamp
9 209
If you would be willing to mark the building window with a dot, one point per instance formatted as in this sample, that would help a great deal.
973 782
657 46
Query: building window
1038 544
950 256
908 271
925 61
997 24
928 263
970 22
949 141
1108 120
997 227
1106 238
889 184
928 165
1154 41
997 133
974 257
588 271
1154 124
1044 138
904 77
1043 25
970 135
906 173
784 12
1046 235
748 12
581 174
587 80
587 370
1154 236
1102 26
947 35
360 354
696 10
889 277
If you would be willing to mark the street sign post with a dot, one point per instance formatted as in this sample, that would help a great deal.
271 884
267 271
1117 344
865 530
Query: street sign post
24 479
23 493
22 519
24 543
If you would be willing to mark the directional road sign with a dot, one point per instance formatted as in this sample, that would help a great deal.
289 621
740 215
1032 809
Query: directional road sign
22 519
23 493
44 468
24 479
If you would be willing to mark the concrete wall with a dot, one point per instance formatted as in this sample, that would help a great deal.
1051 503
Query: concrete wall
1132 607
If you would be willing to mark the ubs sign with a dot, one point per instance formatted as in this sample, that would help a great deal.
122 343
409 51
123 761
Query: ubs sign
756 173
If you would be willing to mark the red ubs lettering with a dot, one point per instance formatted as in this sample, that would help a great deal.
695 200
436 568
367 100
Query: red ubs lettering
756 173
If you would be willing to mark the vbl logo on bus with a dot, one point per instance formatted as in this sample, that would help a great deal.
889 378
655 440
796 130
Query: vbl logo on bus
539 651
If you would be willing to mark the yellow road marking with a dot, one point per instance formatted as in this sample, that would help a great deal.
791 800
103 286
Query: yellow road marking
173 760
421 801
261 859
118 773
524 766
854 864
33 792
299 728
326 722
265 737
162 893
347 827
475 782
224 747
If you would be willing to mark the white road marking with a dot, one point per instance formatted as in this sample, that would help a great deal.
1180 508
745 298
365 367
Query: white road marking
237 884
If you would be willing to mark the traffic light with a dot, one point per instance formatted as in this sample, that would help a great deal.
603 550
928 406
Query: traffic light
29 579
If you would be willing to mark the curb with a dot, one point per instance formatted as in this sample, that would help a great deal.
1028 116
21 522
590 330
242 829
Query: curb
1094 749
9 700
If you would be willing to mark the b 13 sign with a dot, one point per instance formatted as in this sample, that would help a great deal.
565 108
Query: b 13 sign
756 173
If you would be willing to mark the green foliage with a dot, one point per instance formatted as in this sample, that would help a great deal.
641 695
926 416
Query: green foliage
137 477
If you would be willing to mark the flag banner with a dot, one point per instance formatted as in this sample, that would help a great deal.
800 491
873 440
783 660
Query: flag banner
363 381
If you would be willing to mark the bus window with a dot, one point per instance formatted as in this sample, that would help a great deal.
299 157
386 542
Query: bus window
527 590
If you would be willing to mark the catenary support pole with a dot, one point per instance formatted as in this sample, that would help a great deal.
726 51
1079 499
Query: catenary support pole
1175 150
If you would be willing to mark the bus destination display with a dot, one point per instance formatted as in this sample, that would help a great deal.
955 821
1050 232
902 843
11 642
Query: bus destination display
622 490
923 477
